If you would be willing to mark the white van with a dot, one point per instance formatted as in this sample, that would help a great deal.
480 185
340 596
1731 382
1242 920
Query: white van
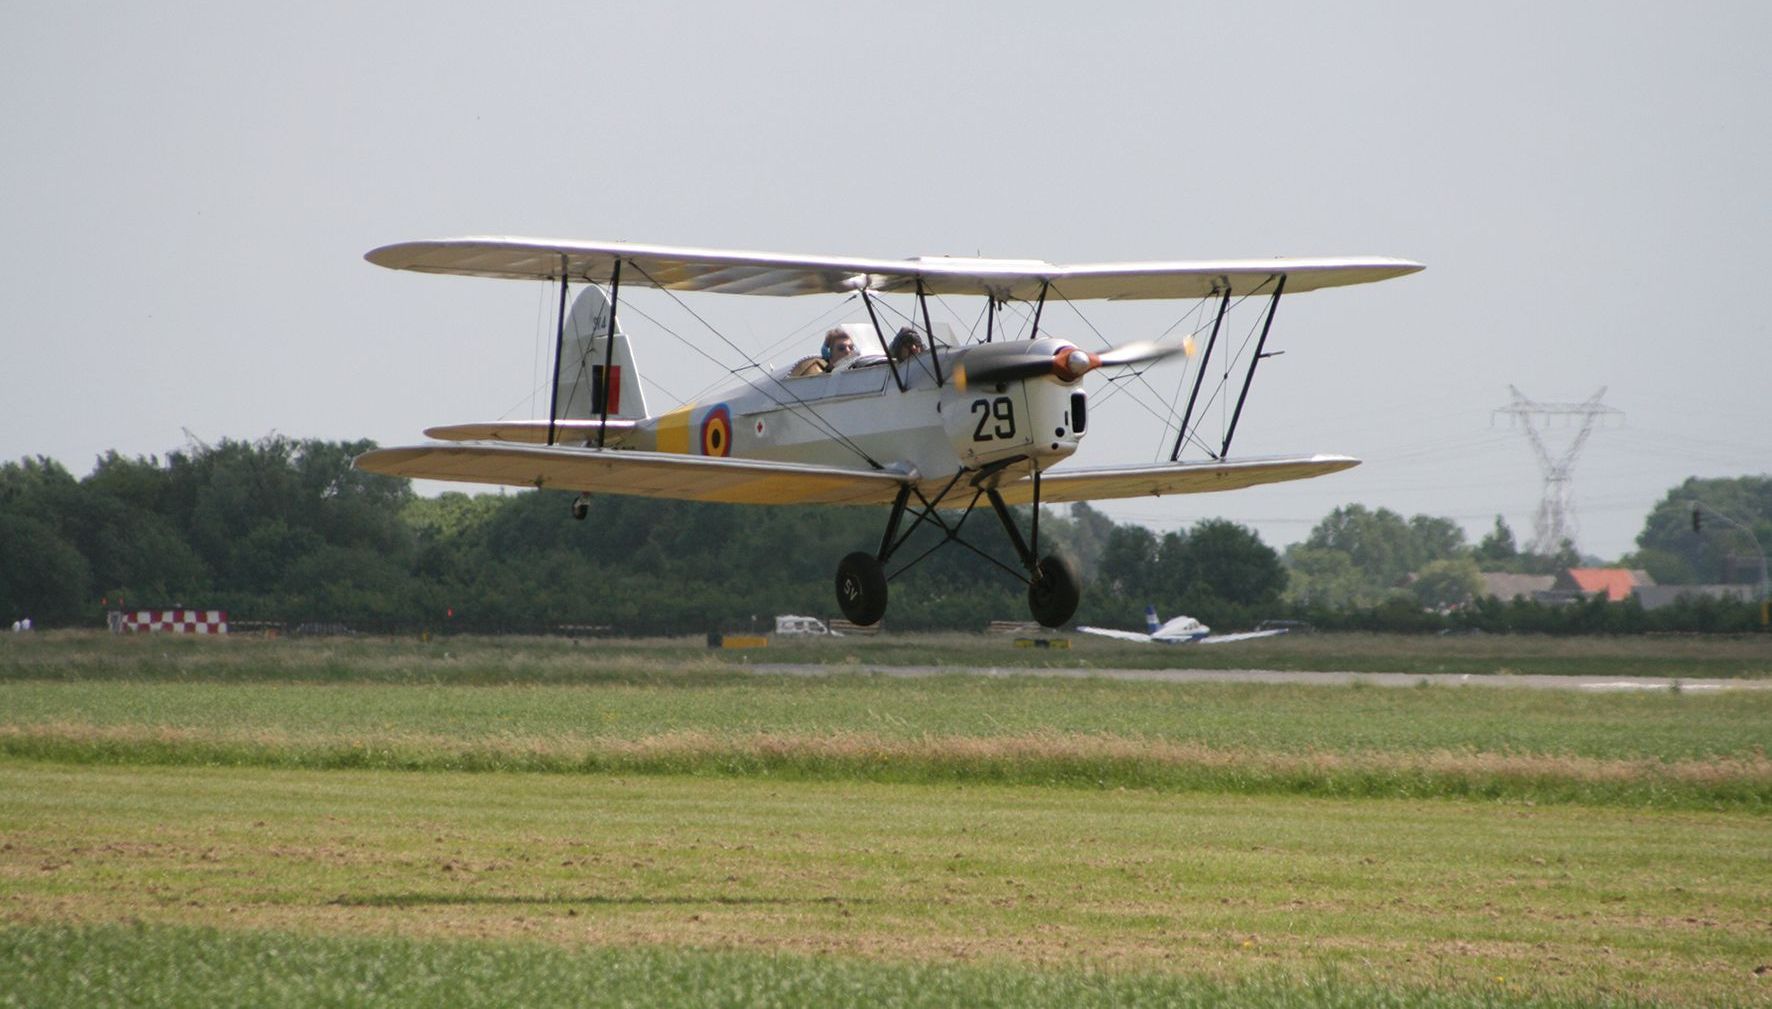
792 625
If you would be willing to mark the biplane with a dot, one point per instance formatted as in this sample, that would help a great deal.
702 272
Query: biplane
918 419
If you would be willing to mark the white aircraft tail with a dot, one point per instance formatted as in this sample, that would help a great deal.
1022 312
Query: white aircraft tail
1151 623
582 353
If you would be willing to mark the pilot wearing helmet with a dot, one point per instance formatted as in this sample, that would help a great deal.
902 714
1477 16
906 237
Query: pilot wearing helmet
906 345
837 346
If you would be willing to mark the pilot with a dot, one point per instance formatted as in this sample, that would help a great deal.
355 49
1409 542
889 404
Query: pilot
906 345
837 346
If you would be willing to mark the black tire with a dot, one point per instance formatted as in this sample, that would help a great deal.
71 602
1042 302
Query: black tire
1054 591
861 589
580 508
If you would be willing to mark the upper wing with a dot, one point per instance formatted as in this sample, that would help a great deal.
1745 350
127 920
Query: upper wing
644 474
1109 632
1171 478
734 272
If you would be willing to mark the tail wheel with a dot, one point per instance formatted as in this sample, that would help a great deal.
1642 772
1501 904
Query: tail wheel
581 506
1054 591
861 589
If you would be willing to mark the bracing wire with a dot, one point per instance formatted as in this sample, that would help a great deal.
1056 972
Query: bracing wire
804 409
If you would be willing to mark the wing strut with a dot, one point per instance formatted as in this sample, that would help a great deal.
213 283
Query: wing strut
880 334
1273 303
929 328
559 352
1200 377
609 352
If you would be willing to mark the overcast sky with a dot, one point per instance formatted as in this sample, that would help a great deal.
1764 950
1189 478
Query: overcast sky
187 191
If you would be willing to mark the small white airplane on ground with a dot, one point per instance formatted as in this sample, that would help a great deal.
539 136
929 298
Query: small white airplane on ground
902 413
1177 631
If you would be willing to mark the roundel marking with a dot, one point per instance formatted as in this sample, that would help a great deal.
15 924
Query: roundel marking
716 432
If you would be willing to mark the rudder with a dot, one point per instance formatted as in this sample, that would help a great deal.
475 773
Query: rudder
579 395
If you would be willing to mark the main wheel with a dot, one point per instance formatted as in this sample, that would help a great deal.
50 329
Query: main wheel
1054 591
861 589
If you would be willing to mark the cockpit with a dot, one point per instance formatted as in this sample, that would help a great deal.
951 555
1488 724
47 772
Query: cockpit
906 343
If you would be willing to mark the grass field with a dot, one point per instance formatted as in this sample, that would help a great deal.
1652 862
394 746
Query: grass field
543 660
366 820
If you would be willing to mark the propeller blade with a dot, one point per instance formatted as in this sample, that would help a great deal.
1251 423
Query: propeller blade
1146 350
1068 364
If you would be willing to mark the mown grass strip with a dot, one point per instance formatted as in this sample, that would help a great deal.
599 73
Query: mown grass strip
92 655
1667 906
149 966
1283 718
1070 761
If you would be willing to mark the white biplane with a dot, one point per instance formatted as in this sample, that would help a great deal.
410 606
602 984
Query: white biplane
924 423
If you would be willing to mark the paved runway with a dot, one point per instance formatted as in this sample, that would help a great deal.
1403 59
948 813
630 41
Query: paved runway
1594 683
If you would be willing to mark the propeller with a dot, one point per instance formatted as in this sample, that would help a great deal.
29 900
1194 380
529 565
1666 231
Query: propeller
1068 364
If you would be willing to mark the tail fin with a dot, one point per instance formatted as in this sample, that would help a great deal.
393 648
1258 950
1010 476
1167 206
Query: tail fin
1151 623
582 352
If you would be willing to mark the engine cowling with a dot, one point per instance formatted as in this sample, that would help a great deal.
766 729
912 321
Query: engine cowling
1017 416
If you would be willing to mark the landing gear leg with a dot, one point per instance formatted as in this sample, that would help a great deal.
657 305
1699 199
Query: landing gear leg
861 578
1053 587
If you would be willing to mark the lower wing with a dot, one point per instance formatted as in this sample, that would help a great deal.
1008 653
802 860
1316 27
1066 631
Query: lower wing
1171 478
1225 639
642 474
1109 632
536 432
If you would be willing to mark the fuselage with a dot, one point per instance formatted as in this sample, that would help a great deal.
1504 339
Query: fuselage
1180 631
858 412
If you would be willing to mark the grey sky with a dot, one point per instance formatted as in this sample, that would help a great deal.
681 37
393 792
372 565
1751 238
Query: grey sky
187 194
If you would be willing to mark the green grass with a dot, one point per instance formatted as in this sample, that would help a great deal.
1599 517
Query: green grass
155 966
1566 902
201 822
1662 748
82 655
1279 718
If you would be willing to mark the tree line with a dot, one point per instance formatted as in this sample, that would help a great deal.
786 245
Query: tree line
285 530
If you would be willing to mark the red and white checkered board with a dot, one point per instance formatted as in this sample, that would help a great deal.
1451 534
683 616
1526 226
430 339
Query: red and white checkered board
177 621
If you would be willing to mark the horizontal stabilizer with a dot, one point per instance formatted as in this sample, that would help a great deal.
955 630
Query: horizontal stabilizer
641 474
534 432
1171 478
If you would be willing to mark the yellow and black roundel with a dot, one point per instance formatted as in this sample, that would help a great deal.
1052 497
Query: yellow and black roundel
716 432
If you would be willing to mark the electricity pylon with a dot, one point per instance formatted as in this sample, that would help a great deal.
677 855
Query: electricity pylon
1556 514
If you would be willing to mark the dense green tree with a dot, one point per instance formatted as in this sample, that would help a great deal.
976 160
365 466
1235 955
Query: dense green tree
1129 562
42 576
1327 579
1083 536
1232 562
1717 551
1498 546
286 529
1448 583
1377 542
1382 546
